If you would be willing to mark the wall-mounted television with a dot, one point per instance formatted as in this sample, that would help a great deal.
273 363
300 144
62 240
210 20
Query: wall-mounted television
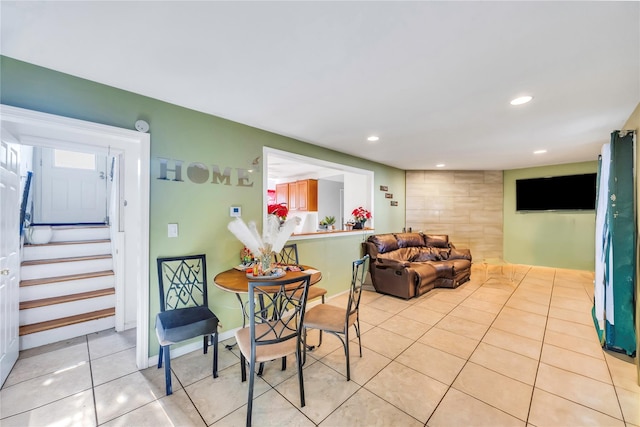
556 193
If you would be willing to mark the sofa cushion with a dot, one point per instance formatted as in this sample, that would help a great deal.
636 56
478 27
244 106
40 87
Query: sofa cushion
443 252
384 242
427 254
444 269
409 240
402 254
437 240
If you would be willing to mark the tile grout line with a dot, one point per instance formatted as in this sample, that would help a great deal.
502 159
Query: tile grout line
93 388
188 395
544 333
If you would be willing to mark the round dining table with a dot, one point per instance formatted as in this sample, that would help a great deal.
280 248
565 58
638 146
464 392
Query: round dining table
237 281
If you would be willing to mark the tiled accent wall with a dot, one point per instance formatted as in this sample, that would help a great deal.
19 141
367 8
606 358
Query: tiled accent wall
466 205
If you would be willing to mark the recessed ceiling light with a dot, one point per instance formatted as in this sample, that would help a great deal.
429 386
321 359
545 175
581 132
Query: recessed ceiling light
373 138
521 100
440 165
539 151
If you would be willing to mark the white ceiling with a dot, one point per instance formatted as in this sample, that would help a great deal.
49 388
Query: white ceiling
432 79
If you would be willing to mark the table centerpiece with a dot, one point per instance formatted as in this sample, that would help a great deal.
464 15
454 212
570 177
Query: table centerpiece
275 234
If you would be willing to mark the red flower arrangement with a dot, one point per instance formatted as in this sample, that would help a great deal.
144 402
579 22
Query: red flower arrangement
361 214
280 210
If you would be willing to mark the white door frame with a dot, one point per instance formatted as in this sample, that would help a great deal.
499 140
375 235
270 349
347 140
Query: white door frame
31 126
9 254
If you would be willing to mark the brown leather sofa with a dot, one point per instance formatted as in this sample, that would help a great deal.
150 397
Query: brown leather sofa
407 265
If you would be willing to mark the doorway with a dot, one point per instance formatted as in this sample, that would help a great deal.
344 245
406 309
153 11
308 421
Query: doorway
46 130
71 187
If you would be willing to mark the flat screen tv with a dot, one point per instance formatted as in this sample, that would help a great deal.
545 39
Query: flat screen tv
556 193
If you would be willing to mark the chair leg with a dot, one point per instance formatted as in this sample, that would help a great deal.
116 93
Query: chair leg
167 371
346 353
261 369
304 346
320 340
160 358
205 344
284 363
300 377
214 341
243 367
357 325
252 367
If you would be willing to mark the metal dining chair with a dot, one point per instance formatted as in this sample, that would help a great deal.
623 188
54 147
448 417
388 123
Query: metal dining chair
338 320
275 327
184 311
289 256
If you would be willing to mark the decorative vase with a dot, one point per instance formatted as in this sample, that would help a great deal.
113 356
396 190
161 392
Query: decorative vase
359 225
265 262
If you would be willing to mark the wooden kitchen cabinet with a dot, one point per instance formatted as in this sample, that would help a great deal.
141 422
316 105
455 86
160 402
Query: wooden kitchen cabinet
307 195
282 193
299 195
293 196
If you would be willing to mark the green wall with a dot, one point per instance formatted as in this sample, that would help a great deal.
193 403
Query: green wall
552 239
201 210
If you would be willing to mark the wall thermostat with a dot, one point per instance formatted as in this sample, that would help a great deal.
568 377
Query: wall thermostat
235 211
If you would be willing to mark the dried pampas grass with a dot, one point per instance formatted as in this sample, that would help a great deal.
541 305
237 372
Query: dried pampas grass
274 235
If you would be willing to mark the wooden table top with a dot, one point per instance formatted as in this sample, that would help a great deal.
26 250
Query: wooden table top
233 280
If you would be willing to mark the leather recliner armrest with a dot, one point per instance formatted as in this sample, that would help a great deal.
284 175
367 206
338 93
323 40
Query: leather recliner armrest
426 272
460 254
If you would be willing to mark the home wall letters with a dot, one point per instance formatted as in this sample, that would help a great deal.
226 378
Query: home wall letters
199 173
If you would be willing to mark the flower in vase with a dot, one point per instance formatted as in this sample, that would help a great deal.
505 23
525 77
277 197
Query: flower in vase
361 214
280 210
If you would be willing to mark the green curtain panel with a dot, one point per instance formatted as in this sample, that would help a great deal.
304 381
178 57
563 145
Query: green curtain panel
614 296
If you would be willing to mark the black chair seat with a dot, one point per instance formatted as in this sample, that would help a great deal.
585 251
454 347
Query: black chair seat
173 326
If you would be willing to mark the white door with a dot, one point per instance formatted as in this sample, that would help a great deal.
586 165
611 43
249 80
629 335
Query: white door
9 254
73 187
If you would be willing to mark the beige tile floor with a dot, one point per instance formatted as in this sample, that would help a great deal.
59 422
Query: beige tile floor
514 346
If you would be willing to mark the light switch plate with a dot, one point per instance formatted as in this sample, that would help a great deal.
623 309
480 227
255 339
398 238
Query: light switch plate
235 211
172 230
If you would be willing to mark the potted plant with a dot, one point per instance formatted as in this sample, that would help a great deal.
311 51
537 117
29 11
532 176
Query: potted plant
329 221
